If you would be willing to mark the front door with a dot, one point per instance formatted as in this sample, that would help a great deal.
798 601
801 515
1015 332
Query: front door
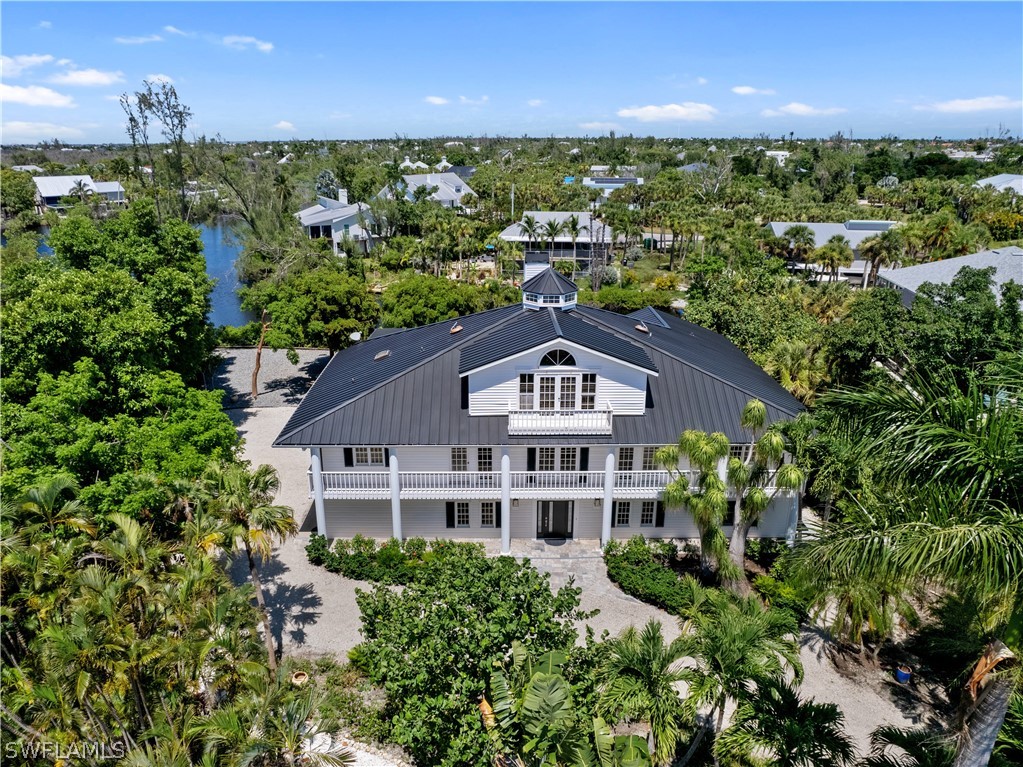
554 519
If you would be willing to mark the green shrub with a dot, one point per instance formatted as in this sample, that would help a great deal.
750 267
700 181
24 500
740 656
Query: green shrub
779 594
392 562
317 550
666 282
640 571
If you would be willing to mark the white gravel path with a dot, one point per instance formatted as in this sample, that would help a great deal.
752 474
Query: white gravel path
314 612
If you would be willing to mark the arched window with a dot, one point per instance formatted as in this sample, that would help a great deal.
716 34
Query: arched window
557 357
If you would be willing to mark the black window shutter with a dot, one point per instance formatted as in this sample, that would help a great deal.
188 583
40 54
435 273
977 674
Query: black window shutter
614 513
465 392
531 459
497 514
349 457
660 514
387 456
450 512
584 459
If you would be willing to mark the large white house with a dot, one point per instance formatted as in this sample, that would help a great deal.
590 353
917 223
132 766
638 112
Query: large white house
52 190
446 189
854 232
537 420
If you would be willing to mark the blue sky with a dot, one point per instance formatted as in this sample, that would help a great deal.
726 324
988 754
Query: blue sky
357 70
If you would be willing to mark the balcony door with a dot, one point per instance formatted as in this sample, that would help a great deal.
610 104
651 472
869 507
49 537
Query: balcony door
554 519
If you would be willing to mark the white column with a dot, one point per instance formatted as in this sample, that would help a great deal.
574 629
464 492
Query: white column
723 469
315 465
395 498
790 535
505 503
609 492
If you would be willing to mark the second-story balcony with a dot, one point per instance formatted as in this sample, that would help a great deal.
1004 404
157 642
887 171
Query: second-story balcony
559 422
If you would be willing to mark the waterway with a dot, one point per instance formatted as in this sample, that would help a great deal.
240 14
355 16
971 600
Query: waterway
222 248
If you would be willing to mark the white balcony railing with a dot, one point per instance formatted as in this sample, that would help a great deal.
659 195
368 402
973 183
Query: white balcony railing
556 422
550 485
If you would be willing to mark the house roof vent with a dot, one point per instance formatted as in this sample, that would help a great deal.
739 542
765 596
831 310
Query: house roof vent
382 355
456 328
642 328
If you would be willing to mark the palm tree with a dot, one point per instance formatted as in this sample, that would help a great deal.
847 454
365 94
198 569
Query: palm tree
530 229
949 468
550 231
799 367
243 500
81 190
834 253
796 733
574 228
801 241
733 641
41 508
637 683
894 747
756 479
881 250
708 502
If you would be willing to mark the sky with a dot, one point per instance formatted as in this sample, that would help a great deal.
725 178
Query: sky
330 70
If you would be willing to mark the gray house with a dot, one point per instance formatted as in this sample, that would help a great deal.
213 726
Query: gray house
853 231
51 190
537 420
1007 263
448 189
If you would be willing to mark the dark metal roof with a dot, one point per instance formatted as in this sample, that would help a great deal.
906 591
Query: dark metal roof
549 283
536 327
411 397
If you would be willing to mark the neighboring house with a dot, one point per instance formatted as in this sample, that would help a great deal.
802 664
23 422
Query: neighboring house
532 421
1013 181
693 167
448 188
608 184
409 165
592 241
853 231
1007 262
779 156
28 168
338 219
443 165
51 190
605 170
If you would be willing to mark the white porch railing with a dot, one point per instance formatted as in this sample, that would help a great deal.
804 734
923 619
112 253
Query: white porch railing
555 485
369 485
450 484
555 422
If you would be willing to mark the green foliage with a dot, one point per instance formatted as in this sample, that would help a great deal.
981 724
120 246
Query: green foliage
392 562
781 595
639 572
320 307
18 192
433 645
422 299
626 300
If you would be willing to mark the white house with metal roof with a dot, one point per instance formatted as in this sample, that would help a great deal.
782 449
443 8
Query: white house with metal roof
592 239
339 220
1013 181
51 190
447 188
1007 264
539 420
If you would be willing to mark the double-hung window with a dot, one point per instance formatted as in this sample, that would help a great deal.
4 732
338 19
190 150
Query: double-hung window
568 458
485 459
526 391
622 511
588 401
625 459
462 514
487 514
646 515
649 458
459 459
545 459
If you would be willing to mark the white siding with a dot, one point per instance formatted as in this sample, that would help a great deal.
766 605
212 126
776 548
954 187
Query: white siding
493 389
346 519
588 519
523 520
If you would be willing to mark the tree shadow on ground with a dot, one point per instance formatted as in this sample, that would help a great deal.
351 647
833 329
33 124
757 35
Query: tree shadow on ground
290 607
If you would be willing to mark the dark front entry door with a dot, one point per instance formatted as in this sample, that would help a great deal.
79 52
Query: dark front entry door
554 519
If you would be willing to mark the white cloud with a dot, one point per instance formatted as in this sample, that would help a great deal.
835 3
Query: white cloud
29 131
64 62
139 40
686 111
284 125
702 81
473 102
87 77
34 96
45 25
749 90
795 109
600 127
12 66
112 97
156 79
244 42
436 100
979 104
535 102
175 31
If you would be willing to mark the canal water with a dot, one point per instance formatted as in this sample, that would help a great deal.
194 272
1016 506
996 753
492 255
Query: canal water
222 248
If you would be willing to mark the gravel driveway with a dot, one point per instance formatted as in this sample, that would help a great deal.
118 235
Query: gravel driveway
313 612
